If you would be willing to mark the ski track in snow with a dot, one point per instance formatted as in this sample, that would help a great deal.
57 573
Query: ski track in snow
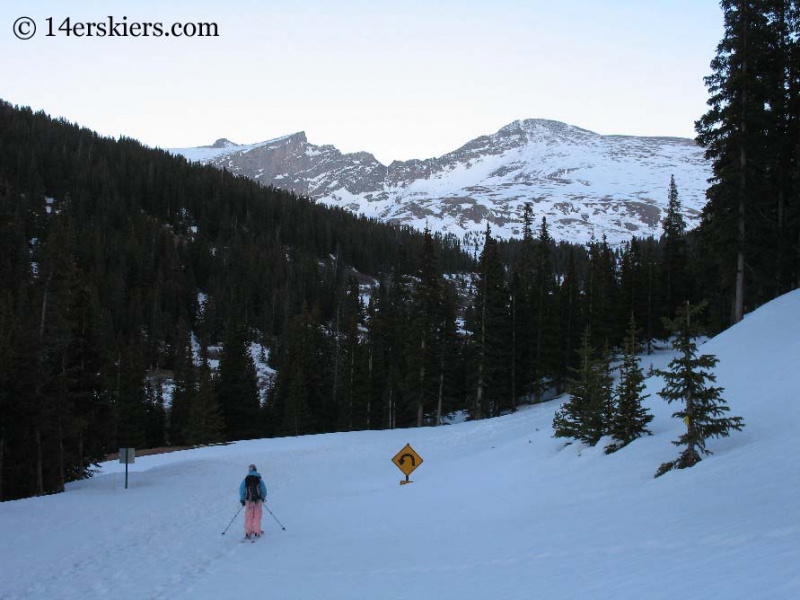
499 509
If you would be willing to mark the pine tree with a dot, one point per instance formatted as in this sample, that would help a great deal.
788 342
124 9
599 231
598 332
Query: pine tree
601 292
630 418
302 392
237 386
583 415
352 404
703 405
745 106
571 319
450 359
546 323
156 419
131 405
674 260
205 424
491 335
524 337
426 325
185 390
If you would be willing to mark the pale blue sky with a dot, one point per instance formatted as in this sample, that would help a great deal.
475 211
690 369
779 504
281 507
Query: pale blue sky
398 79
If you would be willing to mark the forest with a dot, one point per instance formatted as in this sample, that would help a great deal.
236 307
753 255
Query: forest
124 268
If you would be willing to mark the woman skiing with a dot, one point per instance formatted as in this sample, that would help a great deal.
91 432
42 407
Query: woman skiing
252 492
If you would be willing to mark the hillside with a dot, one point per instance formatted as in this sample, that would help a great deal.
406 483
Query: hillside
499 509
584 183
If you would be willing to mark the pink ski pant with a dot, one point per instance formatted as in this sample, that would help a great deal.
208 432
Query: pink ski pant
252 517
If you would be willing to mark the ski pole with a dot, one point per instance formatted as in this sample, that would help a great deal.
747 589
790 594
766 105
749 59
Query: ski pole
274 517
233 519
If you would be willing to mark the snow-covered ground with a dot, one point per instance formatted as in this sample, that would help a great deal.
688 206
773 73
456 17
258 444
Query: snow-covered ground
499 509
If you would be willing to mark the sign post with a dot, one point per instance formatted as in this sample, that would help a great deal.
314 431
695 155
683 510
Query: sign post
127 456
407 460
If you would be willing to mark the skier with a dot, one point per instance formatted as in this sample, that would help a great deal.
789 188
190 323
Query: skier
252 492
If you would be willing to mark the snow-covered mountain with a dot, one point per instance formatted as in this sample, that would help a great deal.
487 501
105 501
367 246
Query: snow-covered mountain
499 509
584 183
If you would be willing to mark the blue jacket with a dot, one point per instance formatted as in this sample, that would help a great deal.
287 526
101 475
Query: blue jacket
263 487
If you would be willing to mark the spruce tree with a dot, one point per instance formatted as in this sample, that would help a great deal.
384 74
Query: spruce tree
583 415
237 386
601 292
703 405
545 357
630 418
185 390
571 319
674 259
491 335
739 131
426 325
156 419
205 424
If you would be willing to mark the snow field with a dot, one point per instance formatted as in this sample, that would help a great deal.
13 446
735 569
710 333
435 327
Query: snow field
499 508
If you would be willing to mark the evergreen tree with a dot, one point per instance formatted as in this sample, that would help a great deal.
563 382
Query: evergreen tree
303 402
601 294
703 405
184 394
523 314
426 326
571 319
396 331
237 386
156 419
352 404
490 335
131 403
450 371
584 415
546 322
205 424
630 418
748 95
674 260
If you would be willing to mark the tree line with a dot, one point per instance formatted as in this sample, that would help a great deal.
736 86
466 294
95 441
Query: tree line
123 267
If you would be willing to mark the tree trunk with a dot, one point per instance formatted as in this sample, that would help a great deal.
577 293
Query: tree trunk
2 448
513 352
336 357
37 436
481 359
369 395
420 401
350 395
441 390
738 302
650 307
539 335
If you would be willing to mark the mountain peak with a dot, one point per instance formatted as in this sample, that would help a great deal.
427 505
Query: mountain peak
586 184
222 143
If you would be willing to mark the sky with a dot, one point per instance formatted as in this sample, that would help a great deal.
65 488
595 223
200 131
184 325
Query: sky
402 80
497 509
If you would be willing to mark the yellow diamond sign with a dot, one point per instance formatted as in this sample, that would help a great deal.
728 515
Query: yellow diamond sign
407 460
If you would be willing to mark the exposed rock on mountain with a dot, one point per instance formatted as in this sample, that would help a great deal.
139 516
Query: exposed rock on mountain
584 183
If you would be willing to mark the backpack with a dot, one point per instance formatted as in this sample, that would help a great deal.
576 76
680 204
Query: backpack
252 488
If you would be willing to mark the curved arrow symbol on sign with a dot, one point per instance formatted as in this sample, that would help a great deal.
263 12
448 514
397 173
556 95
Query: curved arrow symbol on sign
402 459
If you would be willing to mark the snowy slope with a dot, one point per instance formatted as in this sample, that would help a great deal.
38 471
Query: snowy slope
584 183
499 509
